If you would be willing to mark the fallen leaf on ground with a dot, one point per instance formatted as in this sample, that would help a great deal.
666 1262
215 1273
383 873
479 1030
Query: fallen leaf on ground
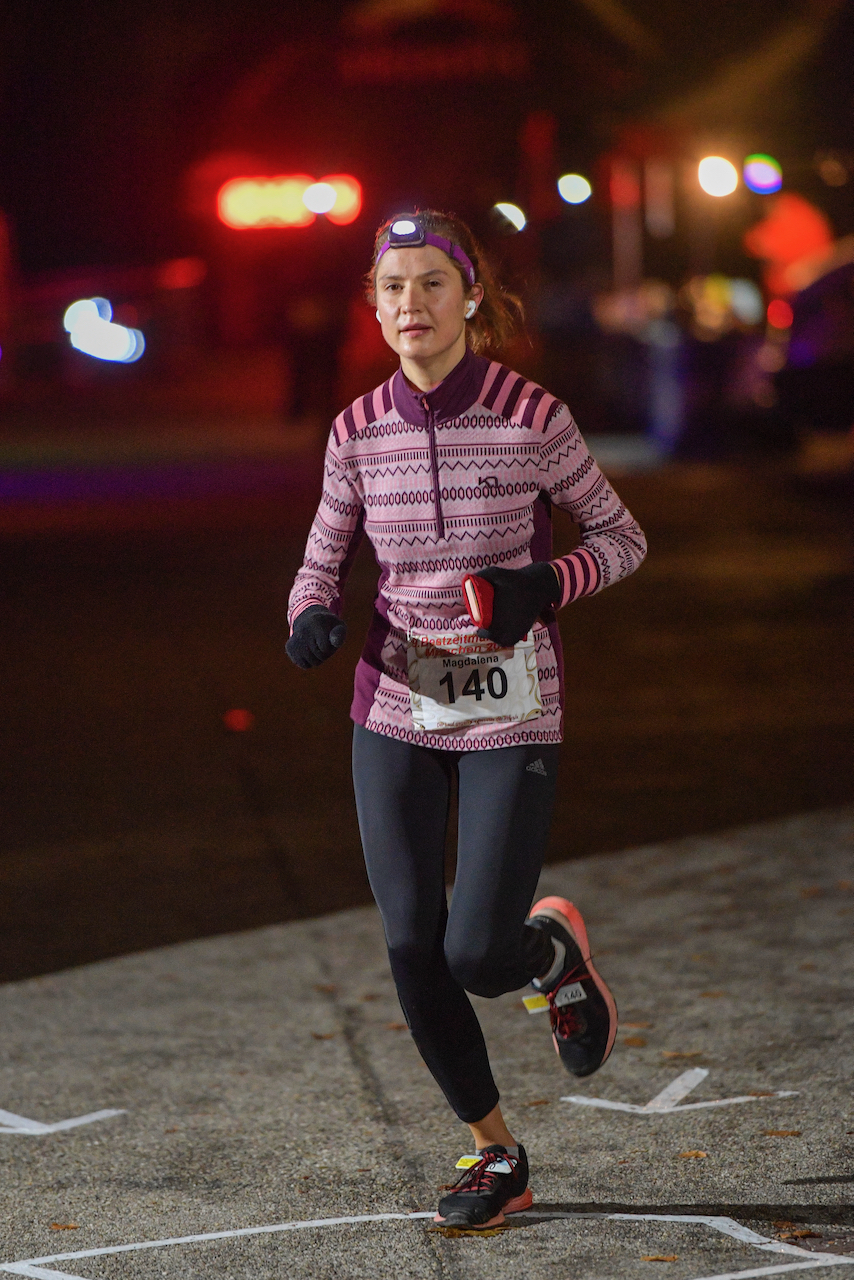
396 1026
326 988
174 1129
64 1226
639 1025
370 995
712 995
676 1053
782 1133
319 1035
693 1155
537 1102
635 1042
813 891
800 1235
808 968
659 1257
845 885
783 1224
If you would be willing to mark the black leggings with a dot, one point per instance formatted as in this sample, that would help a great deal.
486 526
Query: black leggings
482 945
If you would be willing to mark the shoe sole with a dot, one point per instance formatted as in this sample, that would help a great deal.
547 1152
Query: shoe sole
568 915
524 1201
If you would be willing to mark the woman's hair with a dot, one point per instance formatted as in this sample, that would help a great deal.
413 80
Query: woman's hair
500 313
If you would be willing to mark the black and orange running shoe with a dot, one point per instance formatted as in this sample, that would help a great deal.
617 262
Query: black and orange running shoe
493 1183
582 1010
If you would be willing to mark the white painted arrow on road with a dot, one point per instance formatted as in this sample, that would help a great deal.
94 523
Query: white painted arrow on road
667 1101
10 1123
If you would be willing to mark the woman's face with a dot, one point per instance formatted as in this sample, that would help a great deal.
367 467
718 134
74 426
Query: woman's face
421 303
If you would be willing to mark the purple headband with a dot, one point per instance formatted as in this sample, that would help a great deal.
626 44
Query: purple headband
407 232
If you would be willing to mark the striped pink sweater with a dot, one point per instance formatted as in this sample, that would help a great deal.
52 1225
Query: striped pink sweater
445 484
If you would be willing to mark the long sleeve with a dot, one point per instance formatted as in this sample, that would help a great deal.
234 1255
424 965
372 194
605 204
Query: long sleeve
334 538
612 542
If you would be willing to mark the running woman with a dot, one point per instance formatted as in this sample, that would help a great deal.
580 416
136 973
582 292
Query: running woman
451 469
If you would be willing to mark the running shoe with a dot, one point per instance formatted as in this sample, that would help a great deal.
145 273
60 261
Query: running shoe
492 1183
582 1010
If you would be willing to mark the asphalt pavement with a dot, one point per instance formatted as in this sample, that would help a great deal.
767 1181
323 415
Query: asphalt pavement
270 1097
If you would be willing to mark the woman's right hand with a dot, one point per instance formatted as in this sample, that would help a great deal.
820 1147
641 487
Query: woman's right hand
317 633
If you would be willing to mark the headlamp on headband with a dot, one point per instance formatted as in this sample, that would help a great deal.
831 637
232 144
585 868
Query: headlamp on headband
408 232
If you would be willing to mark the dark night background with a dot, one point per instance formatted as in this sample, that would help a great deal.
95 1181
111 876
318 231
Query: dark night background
105 106
152 515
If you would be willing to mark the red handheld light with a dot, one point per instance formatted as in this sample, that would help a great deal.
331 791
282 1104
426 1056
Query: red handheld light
479 595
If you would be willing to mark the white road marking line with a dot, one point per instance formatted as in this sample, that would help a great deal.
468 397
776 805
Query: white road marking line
666 1102
40 1273
776 1271
726 1226
222 1235
10 1123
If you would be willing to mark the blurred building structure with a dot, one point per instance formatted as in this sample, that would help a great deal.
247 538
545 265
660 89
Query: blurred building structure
460 104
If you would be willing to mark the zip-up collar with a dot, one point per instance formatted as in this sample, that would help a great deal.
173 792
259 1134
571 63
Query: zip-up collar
456 392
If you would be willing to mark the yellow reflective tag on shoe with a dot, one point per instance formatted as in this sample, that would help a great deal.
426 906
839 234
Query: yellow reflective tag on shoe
467 1162
535 1004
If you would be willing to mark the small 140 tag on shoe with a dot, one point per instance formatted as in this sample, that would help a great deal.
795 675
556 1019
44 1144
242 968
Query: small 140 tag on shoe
570 994
498 1165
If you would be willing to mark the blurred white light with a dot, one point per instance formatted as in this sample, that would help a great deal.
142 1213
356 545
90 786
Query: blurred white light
77 312
574 189
88 324
404 227
746 301
717 176
320 197
513 214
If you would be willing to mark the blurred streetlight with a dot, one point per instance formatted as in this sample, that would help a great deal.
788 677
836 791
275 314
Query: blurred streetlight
574 189
762 174
513 214
319 197
717 176
89 325
780 314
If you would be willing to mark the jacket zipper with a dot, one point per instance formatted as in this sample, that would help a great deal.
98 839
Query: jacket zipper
434 468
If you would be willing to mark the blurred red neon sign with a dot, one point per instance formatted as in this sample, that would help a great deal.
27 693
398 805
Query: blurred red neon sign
288 200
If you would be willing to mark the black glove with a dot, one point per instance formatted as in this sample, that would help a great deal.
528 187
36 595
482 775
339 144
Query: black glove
317 633
521 596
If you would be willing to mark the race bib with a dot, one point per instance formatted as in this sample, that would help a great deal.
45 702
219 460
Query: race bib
456 681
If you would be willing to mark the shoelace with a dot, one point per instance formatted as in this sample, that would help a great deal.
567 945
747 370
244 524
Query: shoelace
479 1177
565 1020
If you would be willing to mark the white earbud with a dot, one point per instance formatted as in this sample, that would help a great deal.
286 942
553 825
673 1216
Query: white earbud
471 307
378 316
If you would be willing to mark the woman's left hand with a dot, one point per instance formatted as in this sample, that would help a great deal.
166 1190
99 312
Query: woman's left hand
521 596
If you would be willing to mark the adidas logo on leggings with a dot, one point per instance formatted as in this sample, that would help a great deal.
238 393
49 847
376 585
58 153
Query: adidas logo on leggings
537 767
